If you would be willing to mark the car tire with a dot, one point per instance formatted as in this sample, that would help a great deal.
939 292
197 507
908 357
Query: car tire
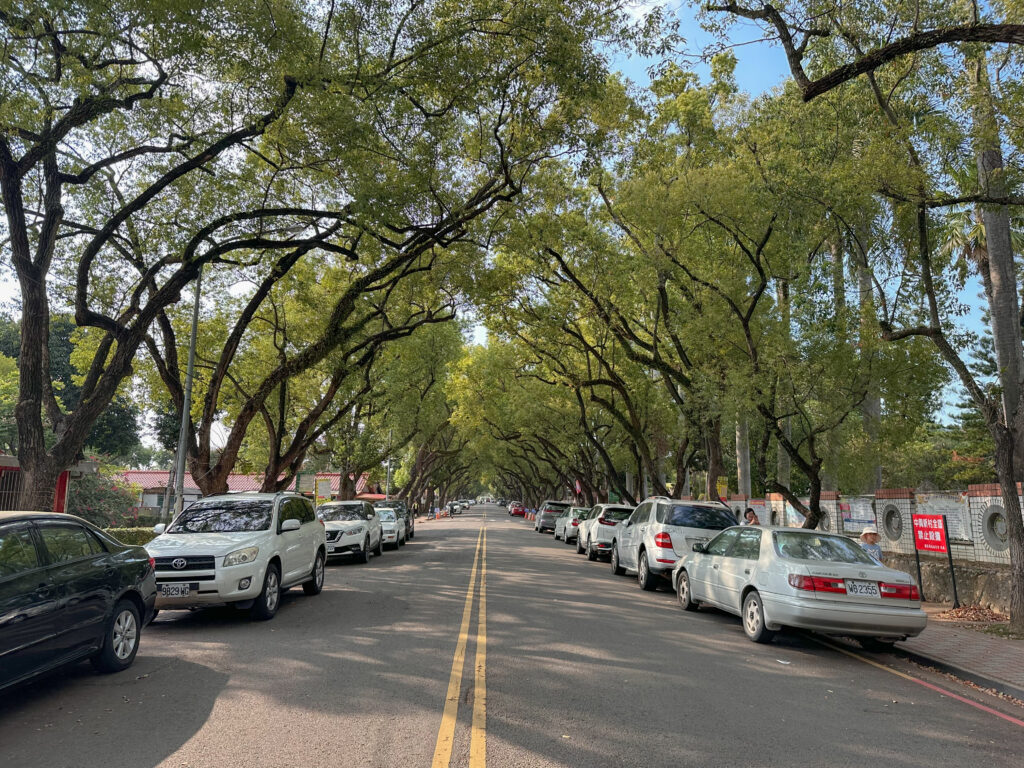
591 552
364 552
686 601
120 639
315 584
753 619
380 547
567 541
617 569
269 599
579 545
647 580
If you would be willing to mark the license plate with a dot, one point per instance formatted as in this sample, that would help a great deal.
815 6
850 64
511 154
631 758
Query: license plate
331 549
175 590
862 588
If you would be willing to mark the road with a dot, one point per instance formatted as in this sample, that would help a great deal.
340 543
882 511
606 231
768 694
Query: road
571 667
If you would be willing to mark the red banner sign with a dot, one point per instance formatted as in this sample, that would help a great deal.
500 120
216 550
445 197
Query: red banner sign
929 533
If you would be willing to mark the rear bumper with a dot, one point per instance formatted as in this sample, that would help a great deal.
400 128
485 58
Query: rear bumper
857 620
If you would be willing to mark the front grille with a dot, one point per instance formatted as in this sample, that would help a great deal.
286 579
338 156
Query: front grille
333 535
170 579
196 563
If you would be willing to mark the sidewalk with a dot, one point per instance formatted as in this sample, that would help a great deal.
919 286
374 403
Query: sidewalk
986 660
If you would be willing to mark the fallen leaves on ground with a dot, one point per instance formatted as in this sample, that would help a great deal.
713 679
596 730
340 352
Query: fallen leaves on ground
972 613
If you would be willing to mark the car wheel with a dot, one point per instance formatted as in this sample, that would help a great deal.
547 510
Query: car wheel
380 547
121 640
316 581
644 577
266 605
568 541
364 553
580 549
591 552
753 619
617 569
877 644
401 542
686 601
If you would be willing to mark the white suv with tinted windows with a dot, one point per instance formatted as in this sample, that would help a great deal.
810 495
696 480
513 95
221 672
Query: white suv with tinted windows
662 530
239 548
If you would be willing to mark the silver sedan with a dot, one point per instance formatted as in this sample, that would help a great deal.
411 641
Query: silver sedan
791 577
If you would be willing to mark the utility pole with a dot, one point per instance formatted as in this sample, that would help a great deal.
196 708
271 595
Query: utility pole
186 408
387 483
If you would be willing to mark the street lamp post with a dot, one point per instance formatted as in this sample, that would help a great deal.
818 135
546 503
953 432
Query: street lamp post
186 408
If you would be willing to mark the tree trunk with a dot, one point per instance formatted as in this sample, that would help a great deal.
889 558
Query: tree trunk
742 457
716 465
784 465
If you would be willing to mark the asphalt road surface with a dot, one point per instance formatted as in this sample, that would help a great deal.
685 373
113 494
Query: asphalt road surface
395 664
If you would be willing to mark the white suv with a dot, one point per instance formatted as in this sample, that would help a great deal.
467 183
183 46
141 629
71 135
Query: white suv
239 548
662 530
598 531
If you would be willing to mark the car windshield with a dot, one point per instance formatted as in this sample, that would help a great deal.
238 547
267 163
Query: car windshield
225 517
341 513
619 513
698 516
812 546
386 514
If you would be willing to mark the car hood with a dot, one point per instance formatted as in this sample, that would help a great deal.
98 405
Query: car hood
203 543
344 525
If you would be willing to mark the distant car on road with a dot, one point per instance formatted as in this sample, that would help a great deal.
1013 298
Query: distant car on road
547 514
68 592
240 549
516 509
660 531
407 518
353 529
567 524
790 577
598 530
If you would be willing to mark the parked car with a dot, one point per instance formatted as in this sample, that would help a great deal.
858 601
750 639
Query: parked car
240 549
597 532
547 514
567 524
790 577
68 592
392 527
660 531
407 518
353 528
516 509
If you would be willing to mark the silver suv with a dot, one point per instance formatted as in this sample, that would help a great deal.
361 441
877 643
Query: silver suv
662 530
549 512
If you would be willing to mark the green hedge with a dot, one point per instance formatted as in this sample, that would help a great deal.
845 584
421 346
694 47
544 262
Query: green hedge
138 536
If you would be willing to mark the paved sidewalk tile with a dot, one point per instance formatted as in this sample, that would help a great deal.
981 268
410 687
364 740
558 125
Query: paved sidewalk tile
998 659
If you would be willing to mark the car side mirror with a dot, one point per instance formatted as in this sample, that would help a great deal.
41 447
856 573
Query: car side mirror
292 524
159 528
698 547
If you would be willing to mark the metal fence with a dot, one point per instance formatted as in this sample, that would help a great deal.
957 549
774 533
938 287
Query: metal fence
975 518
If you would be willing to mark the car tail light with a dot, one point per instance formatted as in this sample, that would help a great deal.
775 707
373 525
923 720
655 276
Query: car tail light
602 521
900 591
575 522
817 583
663 540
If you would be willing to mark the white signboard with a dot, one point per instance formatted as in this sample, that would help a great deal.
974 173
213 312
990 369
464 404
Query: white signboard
953 506
857 513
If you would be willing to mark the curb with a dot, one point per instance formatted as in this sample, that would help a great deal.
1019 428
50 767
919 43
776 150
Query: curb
963 673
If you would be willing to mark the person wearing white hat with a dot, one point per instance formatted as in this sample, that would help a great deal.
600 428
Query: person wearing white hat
869 541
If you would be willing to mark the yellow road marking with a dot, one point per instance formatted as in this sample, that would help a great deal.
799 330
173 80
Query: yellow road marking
478 734
446 733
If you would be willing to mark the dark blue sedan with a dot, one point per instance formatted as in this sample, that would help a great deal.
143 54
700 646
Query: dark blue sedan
68 592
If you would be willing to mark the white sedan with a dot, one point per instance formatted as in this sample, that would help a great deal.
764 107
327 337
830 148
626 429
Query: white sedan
353 528
776 577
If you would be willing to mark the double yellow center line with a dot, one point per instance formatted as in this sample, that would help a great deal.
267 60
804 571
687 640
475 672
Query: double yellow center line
478 730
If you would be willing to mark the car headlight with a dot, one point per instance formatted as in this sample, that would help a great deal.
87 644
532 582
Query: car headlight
241 556
354 531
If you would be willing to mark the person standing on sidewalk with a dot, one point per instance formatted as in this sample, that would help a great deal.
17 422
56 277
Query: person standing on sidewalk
869 539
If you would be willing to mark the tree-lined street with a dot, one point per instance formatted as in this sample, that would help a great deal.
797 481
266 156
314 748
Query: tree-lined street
582 668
